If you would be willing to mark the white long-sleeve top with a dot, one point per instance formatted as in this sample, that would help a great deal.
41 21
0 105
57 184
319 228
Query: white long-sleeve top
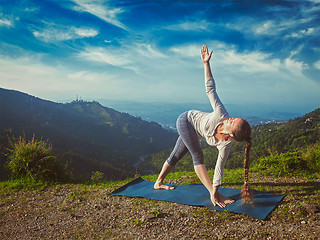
205 125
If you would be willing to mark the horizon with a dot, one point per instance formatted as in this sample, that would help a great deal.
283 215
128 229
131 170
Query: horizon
166 113
265 54
253 110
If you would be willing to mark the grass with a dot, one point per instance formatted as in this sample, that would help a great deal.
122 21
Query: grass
22 184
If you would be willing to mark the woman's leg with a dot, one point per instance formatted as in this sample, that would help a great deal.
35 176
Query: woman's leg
178 152
187 141
191 141
166 168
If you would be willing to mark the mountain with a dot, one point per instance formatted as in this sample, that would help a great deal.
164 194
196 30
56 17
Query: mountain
89 136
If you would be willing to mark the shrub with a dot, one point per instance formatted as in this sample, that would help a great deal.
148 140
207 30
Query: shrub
97 176
301 163
312 154
34 159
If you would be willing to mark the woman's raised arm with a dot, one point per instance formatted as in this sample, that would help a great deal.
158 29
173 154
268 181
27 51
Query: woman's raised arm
206 56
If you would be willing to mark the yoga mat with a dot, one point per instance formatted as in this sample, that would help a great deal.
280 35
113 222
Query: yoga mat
198 195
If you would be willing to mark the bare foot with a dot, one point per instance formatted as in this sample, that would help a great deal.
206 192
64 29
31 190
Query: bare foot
162 186
220 200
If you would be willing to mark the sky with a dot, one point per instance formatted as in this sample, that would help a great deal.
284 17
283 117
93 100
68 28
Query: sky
265 53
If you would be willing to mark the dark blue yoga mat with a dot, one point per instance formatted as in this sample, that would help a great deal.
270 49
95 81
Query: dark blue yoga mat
197 195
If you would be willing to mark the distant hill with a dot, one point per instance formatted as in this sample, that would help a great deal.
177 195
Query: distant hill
166 113
88 135
287 136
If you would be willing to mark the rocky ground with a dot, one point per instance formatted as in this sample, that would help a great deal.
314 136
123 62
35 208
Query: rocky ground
74 211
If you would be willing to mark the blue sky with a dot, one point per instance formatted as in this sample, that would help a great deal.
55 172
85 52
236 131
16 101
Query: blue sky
265 52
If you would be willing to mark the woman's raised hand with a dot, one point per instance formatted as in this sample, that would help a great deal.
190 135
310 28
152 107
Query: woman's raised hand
205 55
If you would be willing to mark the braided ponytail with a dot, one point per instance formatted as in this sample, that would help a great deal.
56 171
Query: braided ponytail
243 133
246 193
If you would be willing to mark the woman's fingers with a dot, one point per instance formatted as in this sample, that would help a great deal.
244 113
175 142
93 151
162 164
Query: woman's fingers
220 204
204 49
229 201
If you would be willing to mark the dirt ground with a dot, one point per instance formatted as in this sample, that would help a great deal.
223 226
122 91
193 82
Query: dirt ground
73 211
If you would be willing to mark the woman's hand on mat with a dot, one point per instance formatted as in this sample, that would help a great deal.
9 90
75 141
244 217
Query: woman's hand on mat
220 200
162 186
205 55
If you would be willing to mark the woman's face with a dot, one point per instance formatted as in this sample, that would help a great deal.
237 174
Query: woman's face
231 124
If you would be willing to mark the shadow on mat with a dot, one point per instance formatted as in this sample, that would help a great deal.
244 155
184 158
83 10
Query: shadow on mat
302 188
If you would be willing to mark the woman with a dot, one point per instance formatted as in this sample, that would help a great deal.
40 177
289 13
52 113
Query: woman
219 130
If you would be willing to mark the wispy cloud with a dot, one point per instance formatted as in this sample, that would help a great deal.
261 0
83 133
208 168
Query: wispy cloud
197 26
226 55
304 32
260 27
146 50
55 33
190 50
256 62
100 9
6 22
136 57
105 56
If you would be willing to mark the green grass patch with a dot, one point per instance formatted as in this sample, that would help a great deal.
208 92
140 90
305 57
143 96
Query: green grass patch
304 162
23 184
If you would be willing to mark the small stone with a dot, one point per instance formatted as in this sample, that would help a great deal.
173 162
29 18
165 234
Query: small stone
310 208
104 205
147 217
303 222
96 206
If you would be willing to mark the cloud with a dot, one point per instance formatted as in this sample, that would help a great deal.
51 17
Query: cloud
146 50
190 50
303 33
312 9
256 62
29 74
196 26
113 57
283 23
137 57
55 33
259 27
250 61
85 32
5 22
100 9
265 28
227 55
317 65
24 73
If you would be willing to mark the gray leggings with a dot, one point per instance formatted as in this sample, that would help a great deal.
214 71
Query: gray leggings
187 141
